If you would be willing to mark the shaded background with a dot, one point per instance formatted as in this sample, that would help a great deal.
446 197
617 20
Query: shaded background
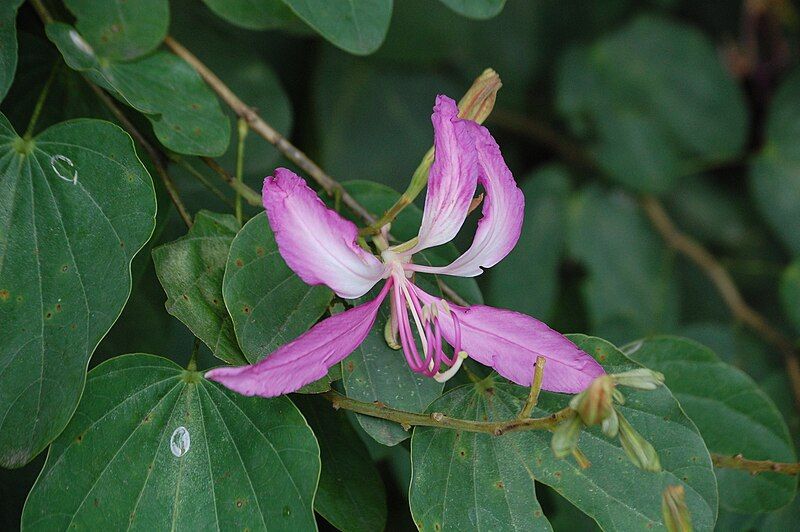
603 104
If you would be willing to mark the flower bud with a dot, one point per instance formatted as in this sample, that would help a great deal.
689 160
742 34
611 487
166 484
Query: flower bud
610 424
565 437
479 100
674 510
642 378
639 450
594 403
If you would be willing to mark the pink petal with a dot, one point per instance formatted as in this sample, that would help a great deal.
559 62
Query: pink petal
509 342
453 176
503 209
305 359
318 244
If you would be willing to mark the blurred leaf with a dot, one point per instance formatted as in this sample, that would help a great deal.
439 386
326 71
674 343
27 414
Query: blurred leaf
192 455
190 270
613 491
356 26
630 289
374 124
8 44
479 9
527 279
121 30
733 415
253 14
775 173
269 304
657 101
76 205
351 495
790 294
185 114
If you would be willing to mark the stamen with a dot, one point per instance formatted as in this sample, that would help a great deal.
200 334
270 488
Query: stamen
404 327
413 306
447 375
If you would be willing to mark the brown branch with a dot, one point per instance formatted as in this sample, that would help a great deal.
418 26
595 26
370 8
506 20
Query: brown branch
754 466
257 124
155 155
727 289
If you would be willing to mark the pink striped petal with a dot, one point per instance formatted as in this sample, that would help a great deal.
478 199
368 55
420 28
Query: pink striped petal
305 359
503 209
453 176
318 244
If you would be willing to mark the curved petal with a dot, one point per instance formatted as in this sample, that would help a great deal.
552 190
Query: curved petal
306 358
509 342
318 244
503 210
453 176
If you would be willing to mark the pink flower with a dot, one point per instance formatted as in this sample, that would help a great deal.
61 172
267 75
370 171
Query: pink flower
321 247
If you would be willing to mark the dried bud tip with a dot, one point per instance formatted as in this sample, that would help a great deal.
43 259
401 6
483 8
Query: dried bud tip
642 378
674 510
478 101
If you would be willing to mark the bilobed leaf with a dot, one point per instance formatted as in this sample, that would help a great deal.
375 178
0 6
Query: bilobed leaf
356 26
185 114
351 495
76 205
190 270
656 99
630 290
612 491
527 279
253 14
480 9
733 415
269 304
155 447
8 44
775 173
119 29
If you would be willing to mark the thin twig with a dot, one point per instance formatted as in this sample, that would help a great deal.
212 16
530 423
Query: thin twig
242 129
754 466
258 125
536 387
248 194
197 174
440 420
725 286
156 156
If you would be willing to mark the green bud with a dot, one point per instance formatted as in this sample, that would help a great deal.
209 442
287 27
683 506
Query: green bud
479 100
565 437
642 378
639 450
674 510
594 403
610 424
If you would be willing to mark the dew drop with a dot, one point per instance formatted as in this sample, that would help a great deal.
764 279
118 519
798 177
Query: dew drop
179 441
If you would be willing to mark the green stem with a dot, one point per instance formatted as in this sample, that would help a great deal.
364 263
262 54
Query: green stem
440 420
243 129
40 8
197 174
536 387
248 194
192 365
37 110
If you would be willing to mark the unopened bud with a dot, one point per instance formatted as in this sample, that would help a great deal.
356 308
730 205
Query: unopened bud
565 437
594 403
478 101
639 450
642 378
390 335
674 510
610 424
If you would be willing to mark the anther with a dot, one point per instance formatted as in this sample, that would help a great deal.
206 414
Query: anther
447 375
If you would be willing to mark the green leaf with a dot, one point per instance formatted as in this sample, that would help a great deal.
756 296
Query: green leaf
613 491
269 304
154 447
538 253
351 495
8 44
121 30
656 100
630 290
775 173
253 14
356 26
733 415
185 114
76 205
790 293
190 270
479 9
